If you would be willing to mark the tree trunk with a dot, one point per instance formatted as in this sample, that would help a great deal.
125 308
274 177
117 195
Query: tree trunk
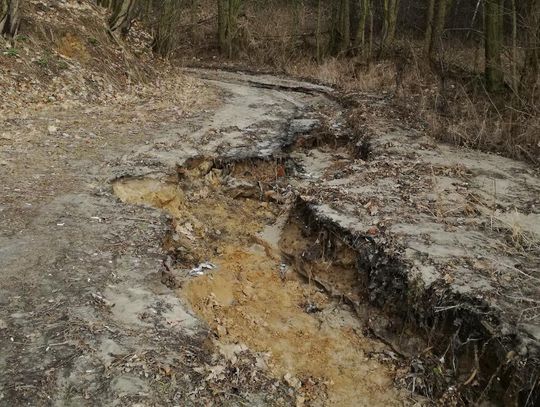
493 44
515 79
9 17
429 26
193 18
232 25
371 17
228 12
439 22
222 25
530 78
164 34
390 9
360 39
341 28
298 8
318 35
122 16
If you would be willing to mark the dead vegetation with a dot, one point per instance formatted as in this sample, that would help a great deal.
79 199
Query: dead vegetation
64 57
444 95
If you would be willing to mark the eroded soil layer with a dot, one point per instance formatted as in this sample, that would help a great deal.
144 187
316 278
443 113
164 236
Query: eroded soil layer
256 298
447 339
295 286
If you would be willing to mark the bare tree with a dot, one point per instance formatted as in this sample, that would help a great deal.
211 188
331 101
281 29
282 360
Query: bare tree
360 38
515 78
165 31
228 13
9 17
530 78
193 17
436 20
429 26
318 36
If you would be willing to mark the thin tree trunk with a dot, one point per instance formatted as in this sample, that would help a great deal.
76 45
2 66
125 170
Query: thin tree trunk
390 9
298 20
193 18
346 25
230 23
530 78
493 44
429 26
341 32
360 39
4 16
222 24
515 78
438 28
318 35
233 10
164 36
371 17
475 14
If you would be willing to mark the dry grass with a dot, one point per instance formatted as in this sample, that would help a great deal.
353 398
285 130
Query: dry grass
348 74
479 121
458 114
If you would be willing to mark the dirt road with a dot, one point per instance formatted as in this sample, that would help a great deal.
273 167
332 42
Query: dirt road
101 301
85 319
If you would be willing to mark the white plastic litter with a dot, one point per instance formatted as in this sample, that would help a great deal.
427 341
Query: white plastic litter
199 270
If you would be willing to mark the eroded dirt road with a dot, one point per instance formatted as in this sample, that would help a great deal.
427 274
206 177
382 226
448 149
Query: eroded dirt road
85 318
161 254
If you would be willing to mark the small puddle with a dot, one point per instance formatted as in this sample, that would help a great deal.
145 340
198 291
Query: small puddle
309 339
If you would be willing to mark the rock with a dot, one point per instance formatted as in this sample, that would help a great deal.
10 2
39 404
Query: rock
221 331
242 189
373 231
248 291
292 381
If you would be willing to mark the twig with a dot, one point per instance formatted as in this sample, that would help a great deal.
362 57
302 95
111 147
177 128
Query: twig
521 272
55 344
471 377
525 299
